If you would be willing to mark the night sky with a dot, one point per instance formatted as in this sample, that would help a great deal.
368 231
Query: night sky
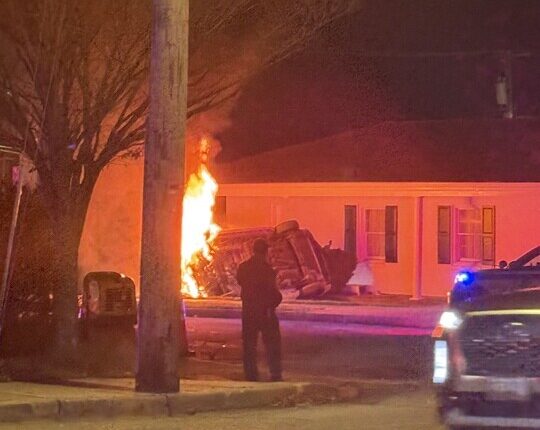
385 63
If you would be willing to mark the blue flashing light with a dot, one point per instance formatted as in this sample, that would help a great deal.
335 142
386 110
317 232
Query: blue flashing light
465 290
464 278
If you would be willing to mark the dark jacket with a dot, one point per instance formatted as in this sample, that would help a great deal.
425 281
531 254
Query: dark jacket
258 282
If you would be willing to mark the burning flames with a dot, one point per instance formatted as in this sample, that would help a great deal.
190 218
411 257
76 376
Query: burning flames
198 227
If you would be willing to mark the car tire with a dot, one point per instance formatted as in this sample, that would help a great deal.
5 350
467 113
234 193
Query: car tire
286 226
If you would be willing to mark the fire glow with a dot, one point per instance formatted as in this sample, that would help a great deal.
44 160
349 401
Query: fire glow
198 227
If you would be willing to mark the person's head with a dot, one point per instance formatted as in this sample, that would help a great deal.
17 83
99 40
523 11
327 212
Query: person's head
260 247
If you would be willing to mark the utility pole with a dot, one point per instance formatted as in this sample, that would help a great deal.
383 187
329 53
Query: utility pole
159 334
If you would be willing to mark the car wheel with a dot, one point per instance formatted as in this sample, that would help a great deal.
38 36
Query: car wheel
287 226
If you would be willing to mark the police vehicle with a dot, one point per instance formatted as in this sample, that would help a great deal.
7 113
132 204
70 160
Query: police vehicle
487 348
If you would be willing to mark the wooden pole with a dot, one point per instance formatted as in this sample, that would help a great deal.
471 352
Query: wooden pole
159 334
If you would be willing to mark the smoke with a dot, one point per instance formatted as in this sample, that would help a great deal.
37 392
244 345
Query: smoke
205 126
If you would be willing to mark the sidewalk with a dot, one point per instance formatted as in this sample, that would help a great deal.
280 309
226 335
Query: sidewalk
101 398
377 311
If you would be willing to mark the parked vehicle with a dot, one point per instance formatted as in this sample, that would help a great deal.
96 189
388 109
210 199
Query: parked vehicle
487 348
108 304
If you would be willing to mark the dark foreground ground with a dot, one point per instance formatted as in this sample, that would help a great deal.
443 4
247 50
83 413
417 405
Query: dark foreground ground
402 411
392 365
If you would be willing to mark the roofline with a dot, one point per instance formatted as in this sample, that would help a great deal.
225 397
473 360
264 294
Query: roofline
349 189
374 126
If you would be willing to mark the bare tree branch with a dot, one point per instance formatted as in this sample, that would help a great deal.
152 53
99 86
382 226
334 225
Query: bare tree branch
73 78
250 38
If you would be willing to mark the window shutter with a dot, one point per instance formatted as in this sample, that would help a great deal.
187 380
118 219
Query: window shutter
488 235
444 225
390 234
350 229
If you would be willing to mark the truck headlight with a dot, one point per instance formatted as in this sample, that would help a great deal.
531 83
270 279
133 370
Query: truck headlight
450 320
440 363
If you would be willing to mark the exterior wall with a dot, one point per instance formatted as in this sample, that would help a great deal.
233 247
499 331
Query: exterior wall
320 208
324 217
516 231
518 220
111 238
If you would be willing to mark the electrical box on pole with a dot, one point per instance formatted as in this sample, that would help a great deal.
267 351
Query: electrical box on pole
504 90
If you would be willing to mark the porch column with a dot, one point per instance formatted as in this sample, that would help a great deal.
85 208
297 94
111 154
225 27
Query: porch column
417 247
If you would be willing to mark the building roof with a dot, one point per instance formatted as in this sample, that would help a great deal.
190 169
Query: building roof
423 151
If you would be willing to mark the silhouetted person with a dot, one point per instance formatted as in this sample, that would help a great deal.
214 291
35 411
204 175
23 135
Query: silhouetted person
260 298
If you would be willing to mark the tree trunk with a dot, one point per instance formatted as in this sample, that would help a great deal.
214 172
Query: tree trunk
67 235
159 307
67 221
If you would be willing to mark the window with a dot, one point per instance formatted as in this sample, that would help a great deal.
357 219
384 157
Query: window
488 235
444 243
468 234
534 262
350 229
390 234
381 233
474 237
375 233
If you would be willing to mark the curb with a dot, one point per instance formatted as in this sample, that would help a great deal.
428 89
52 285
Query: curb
24 411
234 399
274 395
149 405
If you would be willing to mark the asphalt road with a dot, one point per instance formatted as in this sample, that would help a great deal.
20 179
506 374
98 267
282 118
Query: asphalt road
310 350
314 349
403 411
